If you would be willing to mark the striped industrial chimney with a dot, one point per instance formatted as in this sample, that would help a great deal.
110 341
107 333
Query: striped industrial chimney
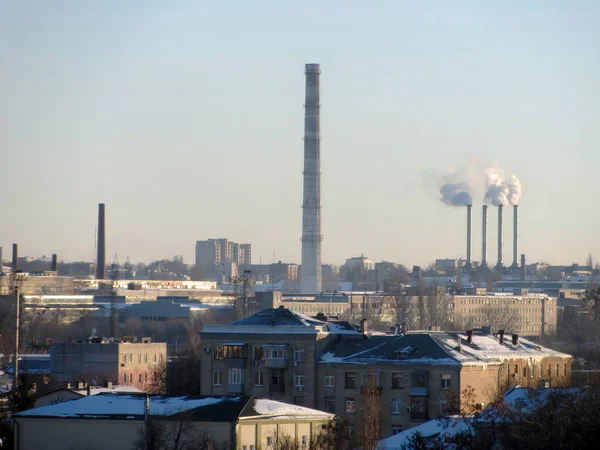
310 281
101 246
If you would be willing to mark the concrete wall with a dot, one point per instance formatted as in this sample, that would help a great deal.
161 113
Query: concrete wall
253 434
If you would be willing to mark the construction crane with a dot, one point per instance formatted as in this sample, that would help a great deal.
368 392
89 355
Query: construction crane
114 312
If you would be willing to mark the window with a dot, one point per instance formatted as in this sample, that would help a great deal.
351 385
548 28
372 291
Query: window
351 432
236 376
369 379
258 379
396 381
445 381
330 381
131 378
299 401
275 354
396 429
130 358
145 378
233 351
419 408
419 379
304 441
139 378
396 406
350 380
277 377
124 360
524 371
298 354
139 358
556 370
269 441
154 358
443 407
299 380
330 404
259 353
516 370
565 370
124 378
350 405
218 352
160 358
146 358
217 378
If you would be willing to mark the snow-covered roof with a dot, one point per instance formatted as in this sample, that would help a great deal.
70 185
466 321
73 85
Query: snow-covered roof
429 430
95 390
128 406
260 407
520 398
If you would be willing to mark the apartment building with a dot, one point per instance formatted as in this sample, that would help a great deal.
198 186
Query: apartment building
271 354
98 360
418 373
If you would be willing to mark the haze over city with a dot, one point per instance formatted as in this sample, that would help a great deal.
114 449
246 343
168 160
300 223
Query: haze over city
187 121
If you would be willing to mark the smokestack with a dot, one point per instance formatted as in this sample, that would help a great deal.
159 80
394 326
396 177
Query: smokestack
468 263
310 281
470 336
501 336
523 272
515 264
499 264
101 246
54 267
484 239
15 257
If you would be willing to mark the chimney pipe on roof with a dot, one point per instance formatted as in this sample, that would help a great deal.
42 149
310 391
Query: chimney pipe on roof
515 339
501 334
54 266
470 336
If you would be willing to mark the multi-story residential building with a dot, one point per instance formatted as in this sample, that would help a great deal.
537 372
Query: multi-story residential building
100 360
271 354
245 255
419 374
208 253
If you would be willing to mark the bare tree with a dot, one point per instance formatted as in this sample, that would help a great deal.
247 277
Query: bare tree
369 419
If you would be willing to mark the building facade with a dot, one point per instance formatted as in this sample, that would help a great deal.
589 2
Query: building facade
97 361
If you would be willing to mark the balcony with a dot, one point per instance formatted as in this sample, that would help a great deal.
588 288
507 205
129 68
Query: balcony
417 415
419 391
235 363
276 363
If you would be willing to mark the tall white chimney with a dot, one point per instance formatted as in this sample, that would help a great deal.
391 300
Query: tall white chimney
515 264
468 265
310 272
499 264
484 238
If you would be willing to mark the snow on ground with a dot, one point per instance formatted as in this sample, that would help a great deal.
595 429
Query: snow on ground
274 408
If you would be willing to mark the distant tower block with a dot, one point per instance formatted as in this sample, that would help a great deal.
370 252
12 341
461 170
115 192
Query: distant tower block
311 205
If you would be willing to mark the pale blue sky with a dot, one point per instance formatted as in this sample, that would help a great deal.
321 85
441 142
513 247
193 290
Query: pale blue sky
186 119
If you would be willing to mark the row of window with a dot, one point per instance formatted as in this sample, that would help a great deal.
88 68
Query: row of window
542 373
127 358
419 405
236 376
259 352
128 378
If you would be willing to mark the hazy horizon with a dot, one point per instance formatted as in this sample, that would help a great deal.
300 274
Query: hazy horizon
187 121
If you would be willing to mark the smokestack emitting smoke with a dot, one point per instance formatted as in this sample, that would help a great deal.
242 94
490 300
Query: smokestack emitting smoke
499 264
468 263
484 238
310 281
101 247
54 266
515 264
499 191
15 258
455 194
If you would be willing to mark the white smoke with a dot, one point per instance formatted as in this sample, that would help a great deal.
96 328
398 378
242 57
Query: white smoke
500 191
456 194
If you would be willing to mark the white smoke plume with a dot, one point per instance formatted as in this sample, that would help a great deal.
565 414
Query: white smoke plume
456 194
500 191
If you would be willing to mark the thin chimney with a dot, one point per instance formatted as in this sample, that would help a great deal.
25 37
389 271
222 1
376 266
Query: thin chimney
484 238
468 263
500 263
501 336
515 339
523 269
515 235
101 248
15 257
470 336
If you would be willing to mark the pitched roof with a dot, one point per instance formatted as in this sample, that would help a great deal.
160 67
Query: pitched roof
261 407
280 317
415 348
132 406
